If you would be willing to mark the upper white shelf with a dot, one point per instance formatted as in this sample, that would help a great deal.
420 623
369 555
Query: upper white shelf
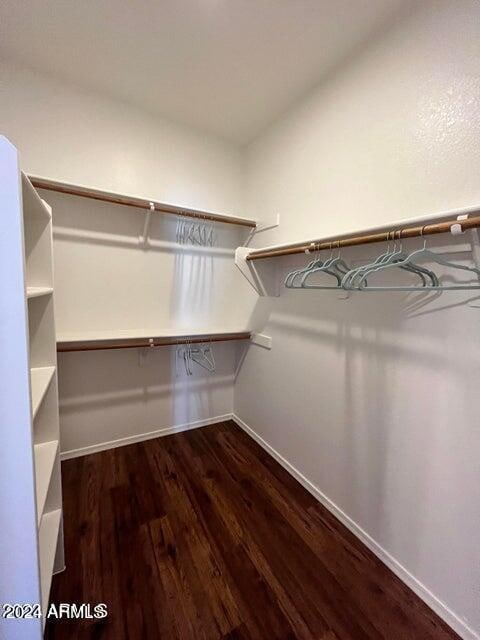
430 224
33 206
40 379
139 203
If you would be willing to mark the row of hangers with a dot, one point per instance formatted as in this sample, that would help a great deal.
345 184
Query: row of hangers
200 233
197 233
200 354
393 257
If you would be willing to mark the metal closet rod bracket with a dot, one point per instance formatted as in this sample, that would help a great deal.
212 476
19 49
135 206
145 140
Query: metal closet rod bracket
473 235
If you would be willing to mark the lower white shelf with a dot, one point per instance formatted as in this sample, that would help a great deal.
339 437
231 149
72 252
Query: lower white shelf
45 454
36 292
40 378
47 542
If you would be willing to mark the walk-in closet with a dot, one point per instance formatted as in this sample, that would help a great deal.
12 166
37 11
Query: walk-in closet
239 311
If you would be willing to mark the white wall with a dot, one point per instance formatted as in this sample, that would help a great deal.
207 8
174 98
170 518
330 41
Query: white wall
372 399
69 134
105 282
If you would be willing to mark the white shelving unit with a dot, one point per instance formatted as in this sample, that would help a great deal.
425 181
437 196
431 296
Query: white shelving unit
36 292
31 536
40 378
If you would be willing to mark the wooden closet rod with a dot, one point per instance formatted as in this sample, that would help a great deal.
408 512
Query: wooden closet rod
384 236
139 203
161 341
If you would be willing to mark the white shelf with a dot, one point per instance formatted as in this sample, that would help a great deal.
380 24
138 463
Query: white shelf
134 334
33 207
135 201
45 454
403 223
36 292
47 542
40 378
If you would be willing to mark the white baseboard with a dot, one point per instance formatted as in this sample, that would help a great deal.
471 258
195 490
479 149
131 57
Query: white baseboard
441 609
158 433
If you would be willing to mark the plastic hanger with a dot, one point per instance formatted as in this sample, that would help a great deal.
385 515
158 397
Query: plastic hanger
435 257
399 258
347 281
357 278
314 264
182 353
205 353
290 277
333 266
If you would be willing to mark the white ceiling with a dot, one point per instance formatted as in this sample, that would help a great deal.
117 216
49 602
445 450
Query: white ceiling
229 67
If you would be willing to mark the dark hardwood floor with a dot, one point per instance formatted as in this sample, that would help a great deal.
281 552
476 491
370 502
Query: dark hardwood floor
202 535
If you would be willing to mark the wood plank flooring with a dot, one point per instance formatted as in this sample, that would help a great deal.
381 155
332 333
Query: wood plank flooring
202 535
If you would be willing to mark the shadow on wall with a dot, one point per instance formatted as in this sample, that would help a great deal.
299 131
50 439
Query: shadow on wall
110 395
191 302
191 296
93 222
198 282
364 392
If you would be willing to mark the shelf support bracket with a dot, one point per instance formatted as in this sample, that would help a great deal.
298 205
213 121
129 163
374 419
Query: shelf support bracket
262 226
146 226
262 276
261 340
474 238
